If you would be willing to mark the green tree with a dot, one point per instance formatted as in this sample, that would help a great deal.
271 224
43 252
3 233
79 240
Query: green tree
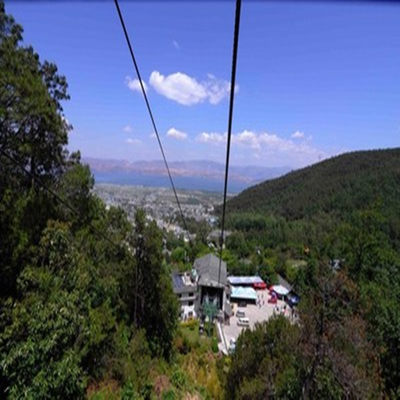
237 243
264 362
33 128
374 264
33 132
60 329
336 356
156 306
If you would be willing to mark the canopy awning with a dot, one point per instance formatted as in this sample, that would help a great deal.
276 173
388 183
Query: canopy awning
244 293
281 290
244 280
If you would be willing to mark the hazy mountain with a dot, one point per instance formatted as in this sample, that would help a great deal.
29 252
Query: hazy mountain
196 174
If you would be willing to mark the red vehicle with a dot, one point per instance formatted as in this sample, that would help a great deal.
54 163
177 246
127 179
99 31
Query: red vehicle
260 285
273 299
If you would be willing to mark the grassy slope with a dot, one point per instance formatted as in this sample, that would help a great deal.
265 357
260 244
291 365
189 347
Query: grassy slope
346 182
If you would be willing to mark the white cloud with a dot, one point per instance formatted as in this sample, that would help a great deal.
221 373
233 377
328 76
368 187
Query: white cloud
127 129
134 84
133 141
186 90
178 135
153 135
267 145
212 137
297 135
176 44
247 138
217 89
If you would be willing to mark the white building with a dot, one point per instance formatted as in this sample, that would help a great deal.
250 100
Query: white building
206 283
185 287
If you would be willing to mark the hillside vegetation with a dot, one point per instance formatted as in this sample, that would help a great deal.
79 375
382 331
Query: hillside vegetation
346 208
346 182
82 315
87 309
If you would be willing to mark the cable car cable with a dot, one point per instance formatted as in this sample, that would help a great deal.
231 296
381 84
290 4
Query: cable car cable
230 118
150 113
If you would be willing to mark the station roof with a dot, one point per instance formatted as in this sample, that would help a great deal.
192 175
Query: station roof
283 282
207 268
244 280
244 293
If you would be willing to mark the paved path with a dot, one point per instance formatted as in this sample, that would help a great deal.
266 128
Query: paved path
255 313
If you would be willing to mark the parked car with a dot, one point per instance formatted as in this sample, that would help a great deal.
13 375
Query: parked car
260 285
292 299
243 322
232 345
240 314
242 304
273 298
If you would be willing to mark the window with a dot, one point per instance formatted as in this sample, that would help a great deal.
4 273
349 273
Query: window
190 303
191 294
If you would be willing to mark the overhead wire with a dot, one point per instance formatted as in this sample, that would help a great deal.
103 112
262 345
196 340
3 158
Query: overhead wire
121 18
230 118
55 195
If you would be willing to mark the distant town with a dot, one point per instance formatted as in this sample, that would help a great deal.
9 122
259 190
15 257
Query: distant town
160 205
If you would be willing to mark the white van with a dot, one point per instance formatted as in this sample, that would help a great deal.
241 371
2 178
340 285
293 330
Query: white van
243 322
232 345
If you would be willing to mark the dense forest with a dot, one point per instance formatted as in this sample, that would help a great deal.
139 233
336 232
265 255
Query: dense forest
344 213
342 183
86 303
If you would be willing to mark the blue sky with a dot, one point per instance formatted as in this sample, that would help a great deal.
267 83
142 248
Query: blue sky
313 79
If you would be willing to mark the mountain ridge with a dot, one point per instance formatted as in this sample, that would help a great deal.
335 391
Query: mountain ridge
353 180
194 174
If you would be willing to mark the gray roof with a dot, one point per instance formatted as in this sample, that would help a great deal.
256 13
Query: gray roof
207 268
179 286
284 283
244 280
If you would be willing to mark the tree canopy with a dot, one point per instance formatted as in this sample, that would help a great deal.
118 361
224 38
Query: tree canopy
83 293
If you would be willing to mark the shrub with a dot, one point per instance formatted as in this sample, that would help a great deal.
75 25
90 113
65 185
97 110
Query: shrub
191 324
178 378
169 395
214 345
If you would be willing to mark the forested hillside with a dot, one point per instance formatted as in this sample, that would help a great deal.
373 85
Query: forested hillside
350 181
86 304
346 209
83 294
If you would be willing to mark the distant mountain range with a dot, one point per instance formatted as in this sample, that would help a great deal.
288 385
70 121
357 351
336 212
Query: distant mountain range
196 174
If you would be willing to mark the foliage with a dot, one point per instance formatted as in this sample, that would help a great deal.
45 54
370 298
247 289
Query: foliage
350 181
327 355
156 306
346 209
86 303
83 296
336 356
263 364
